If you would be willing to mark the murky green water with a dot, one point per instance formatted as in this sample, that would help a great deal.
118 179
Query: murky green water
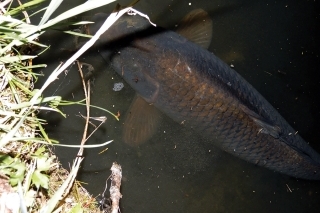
274 45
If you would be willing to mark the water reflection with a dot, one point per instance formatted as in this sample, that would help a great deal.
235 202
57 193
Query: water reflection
178 170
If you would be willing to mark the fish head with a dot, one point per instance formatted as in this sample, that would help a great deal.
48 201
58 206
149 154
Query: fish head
141 53
127 45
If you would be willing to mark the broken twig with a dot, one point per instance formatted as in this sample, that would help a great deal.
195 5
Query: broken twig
115 194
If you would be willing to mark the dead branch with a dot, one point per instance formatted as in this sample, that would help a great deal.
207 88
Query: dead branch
115 194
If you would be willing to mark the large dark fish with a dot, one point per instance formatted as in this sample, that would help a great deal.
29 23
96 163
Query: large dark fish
194 87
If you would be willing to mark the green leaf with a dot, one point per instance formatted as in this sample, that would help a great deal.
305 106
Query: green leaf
77 209
43 163
18 174
39 179
40 151
12 167
5 159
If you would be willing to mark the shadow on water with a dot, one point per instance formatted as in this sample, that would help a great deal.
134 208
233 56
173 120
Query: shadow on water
273 45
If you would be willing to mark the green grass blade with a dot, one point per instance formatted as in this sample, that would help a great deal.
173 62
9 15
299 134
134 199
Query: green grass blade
54 4
24 6
78 34
88 5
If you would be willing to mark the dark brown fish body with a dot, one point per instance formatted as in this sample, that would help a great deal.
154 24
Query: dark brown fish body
194 87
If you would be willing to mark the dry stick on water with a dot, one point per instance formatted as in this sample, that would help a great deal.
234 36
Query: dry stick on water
64 190
87 118
79 157
87 95
115 195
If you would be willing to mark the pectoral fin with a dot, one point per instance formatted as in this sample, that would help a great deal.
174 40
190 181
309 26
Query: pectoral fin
141 122
196 26
266 127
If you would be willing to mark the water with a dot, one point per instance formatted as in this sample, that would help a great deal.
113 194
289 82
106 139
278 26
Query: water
274 45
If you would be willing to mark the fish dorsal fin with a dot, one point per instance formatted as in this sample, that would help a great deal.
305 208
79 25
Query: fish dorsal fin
141 122
196 26
266 127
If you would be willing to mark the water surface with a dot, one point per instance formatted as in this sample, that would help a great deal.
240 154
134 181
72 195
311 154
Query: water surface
273 45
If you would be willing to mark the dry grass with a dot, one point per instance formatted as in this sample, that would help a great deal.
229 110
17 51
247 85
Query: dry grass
31 178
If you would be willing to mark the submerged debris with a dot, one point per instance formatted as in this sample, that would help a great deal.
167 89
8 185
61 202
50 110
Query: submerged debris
111 205
118 86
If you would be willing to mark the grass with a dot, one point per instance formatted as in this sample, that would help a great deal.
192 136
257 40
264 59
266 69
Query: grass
31 178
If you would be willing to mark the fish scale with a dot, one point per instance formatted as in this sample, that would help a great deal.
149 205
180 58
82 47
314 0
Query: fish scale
211 106
194 87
